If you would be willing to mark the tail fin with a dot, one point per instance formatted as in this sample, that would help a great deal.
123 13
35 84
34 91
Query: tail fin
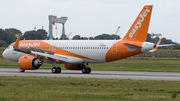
139 29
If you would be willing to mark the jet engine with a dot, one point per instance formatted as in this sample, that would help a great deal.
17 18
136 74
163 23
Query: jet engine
29 63
147 46
73 66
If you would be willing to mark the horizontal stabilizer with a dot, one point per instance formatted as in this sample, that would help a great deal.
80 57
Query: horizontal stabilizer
134 44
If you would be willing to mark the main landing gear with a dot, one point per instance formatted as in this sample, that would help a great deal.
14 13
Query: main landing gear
56 70
86 70
21 70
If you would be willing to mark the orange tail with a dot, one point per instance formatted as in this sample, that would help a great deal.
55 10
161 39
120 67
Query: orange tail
139 29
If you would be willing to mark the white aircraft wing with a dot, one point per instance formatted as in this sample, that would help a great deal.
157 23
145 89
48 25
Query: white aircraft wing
157 45
52 56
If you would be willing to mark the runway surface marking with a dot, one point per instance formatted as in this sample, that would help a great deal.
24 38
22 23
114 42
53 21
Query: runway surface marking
172 76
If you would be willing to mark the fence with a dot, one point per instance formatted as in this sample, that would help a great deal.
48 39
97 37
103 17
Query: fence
160 54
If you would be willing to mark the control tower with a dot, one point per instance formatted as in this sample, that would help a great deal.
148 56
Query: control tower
52 21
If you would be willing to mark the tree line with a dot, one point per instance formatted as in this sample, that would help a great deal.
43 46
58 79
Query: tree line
7 36
156 39
98 37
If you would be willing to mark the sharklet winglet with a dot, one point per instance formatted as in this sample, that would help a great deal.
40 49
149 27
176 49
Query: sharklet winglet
17 41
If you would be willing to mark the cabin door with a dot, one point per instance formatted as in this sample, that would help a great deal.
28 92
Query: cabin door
114 49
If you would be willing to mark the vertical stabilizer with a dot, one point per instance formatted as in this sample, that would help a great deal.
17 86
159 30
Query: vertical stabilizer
139 29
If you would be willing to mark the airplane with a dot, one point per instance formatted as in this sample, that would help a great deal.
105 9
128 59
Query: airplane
77 54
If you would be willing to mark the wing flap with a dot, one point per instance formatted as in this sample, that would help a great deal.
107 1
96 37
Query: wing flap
55 57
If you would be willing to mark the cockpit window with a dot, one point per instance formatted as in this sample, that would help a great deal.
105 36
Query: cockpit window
8 47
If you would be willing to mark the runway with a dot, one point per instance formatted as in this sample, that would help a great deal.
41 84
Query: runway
169 76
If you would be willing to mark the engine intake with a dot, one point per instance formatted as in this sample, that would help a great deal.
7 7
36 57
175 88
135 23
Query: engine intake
29 63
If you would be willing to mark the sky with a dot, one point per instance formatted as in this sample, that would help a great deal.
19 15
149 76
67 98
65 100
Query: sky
91 17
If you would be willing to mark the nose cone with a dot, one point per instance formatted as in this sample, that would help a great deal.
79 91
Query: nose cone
8 54
4 54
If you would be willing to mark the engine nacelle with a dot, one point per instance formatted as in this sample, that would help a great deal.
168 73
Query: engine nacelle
147 46
29 63
73 66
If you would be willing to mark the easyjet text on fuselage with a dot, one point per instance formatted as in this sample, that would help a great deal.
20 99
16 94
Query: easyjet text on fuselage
29 44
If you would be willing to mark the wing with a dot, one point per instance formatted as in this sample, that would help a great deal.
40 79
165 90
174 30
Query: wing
41 53
157 45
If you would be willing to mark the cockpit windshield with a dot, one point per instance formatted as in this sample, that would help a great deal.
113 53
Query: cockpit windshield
8 47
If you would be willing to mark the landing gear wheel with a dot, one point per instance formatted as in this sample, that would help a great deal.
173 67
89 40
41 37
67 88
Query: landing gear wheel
88 70
21 70
84 70
58 70
54 70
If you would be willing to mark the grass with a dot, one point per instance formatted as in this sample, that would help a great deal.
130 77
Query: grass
79 89
157 65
